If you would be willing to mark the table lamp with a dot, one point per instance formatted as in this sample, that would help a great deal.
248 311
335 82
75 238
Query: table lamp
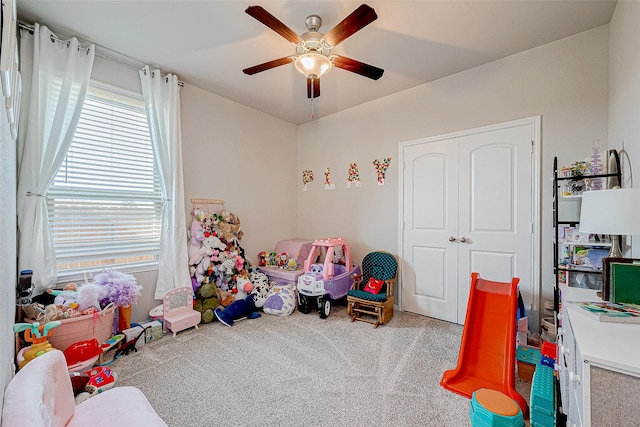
615 212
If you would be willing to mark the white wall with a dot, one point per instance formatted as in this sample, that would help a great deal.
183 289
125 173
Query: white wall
245 157
566 82
624 91
8 255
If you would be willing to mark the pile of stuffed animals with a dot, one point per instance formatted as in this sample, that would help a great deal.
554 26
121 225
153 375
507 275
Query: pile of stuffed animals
71 301
220 273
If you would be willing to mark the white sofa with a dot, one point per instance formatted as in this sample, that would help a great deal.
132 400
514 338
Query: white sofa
41 395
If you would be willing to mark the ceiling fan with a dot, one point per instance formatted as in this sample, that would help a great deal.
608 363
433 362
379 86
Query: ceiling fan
313 56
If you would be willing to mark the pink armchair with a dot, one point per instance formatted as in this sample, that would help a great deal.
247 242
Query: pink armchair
41 395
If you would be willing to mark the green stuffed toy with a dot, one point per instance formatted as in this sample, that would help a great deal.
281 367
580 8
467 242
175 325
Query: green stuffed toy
206 302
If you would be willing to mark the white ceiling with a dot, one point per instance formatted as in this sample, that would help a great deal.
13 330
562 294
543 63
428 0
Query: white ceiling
208 43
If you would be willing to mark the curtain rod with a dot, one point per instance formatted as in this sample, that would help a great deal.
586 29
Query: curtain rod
102 52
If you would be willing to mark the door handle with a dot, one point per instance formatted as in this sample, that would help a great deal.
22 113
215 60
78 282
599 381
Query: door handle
463 239
453 239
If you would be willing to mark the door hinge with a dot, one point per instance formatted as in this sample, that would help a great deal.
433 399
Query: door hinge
532 144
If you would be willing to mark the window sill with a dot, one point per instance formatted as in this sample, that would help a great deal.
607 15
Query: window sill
86 275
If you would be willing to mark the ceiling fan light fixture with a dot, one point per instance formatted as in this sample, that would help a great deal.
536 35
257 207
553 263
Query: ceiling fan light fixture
313 64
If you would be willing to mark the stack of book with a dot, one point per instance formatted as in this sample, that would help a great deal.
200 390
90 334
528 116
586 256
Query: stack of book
605 311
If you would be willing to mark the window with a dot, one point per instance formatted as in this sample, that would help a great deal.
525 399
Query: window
105 202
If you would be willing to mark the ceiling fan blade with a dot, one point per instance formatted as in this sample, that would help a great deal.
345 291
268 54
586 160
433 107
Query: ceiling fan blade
359 18
259 13
357 67
268 65
316 88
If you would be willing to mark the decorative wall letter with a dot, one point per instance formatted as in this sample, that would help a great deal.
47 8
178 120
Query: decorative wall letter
354 176
381 169
307 177
327 180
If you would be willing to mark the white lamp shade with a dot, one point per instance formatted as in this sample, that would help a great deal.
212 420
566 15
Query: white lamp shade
615 211
313 64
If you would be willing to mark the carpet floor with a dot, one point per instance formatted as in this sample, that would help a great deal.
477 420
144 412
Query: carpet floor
301 370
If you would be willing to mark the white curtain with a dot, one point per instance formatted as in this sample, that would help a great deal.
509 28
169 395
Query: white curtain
55 78
162 102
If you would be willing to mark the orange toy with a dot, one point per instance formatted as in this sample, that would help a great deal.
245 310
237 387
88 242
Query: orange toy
488 348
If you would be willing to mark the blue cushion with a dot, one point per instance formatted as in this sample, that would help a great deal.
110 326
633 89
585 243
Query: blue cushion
367 295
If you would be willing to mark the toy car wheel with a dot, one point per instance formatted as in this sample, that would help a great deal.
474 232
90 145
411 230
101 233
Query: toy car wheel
325 307
304 304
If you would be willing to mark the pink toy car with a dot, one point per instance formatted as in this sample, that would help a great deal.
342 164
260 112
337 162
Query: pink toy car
322 283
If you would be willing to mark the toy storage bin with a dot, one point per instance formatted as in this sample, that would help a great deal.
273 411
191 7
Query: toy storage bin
98 325
298 248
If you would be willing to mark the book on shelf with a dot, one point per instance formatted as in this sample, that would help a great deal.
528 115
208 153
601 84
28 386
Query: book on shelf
605 311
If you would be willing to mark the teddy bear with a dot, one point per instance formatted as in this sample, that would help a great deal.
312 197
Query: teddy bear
206 302
281 300
227 266
235 221
229 226
262 259
239 262
196 233
281 260
225 297
238 310
292 264
89 297
272 259
200 262
243 285
66 297
261 287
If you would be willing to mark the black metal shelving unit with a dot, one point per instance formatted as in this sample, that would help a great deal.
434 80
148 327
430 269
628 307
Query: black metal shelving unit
613 160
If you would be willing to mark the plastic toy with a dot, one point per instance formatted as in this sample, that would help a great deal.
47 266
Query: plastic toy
82 355
36 334
322 283
102 378
487 353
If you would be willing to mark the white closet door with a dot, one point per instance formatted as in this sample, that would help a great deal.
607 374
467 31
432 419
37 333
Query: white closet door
495 184
467 205
430 267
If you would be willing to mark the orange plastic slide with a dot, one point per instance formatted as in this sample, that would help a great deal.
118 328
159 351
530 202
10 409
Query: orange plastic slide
487 354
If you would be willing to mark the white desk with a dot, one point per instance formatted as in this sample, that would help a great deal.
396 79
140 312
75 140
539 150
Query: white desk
599 366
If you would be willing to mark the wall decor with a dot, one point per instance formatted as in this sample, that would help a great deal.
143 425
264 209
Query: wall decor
327 180
381 168
307 177
354 176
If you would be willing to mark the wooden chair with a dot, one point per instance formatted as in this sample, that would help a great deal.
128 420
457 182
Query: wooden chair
381 266
177 310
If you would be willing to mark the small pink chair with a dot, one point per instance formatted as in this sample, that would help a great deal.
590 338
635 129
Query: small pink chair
177 310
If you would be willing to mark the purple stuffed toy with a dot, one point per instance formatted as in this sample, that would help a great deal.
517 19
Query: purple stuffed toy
237 310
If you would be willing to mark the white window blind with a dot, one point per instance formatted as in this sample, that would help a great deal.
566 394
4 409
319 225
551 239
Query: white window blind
105 202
